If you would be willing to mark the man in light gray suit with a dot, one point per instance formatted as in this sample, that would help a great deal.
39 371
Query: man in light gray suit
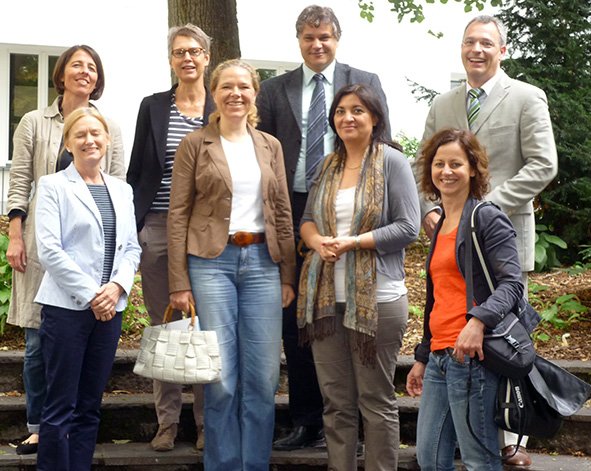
513 123
283 104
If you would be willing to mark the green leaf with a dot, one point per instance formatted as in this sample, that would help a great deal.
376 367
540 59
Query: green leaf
556 241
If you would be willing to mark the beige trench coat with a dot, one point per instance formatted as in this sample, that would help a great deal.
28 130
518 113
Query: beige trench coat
37 142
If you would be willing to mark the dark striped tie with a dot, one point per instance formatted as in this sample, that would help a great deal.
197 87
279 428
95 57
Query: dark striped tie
317 126
474 104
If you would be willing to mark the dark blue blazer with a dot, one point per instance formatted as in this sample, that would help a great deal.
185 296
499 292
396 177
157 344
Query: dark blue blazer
146 164
496 236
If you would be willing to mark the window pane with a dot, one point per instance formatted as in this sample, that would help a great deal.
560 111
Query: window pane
23 89
51 93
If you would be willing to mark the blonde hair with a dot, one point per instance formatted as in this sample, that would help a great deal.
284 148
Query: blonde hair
253 115
77 115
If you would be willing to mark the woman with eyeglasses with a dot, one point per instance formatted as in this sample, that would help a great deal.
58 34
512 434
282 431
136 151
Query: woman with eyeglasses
164 119
78 77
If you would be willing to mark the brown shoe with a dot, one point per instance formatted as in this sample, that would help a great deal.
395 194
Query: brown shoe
164 439
518 459
200 444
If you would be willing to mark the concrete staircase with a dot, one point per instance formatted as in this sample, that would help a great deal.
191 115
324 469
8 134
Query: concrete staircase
129 422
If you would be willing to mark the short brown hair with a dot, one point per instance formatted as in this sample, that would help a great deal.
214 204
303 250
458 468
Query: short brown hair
60 67
253 115
477 157
315 16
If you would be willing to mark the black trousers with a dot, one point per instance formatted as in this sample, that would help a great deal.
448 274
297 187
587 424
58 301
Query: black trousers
305 400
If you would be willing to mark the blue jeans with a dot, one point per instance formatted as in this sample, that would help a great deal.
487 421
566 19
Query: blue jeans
34 379
442 416
79 352
238 294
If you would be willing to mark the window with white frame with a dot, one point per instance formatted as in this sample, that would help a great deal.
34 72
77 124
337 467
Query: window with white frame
25 85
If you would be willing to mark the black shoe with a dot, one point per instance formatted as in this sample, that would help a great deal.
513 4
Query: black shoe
300 437
26 449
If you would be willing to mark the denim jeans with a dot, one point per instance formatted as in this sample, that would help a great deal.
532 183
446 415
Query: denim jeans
238 294
34 379
442 416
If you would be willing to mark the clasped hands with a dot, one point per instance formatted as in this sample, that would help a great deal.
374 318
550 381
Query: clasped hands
330 249
103 304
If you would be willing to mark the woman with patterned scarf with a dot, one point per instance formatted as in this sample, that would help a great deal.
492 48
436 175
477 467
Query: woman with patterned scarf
362 212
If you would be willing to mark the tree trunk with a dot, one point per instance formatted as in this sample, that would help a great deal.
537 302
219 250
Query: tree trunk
217 18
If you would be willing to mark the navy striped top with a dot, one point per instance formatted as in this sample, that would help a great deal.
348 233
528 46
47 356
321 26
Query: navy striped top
105 207
179 126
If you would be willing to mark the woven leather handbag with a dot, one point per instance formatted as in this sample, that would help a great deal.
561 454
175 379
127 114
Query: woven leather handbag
178 352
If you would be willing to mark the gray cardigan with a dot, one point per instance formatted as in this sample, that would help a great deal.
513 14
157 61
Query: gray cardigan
400 223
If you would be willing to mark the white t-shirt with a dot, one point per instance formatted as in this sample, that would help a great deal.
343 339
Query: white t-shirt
247 195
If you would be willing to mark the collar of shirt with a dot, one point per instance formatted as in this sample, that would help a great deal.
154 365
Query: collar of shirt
328 73
487 86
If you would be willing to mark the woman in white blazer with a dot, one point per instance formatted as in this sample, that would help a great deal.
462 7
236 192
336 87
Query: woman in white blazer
87 244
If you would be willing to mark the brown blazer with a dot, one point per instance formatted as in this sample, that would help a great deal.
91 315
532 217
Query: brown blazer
201 202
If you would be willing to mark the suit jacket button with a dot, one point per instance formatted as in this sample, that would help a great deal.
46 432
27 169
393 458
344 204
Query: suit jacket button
120 247
78 303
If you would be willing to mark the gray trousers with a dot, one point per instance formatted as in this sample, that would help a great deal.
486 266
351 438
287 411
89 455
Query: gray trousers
348 387
154 270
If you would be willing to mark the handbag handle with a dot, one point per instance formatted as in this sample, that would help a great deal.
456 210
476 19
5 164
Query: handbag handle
168 314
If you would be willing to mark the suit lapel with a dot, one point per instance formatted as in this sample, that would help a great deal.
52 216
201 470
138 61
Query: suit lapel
341 78
215 151
159 117
293 91
82 192
497 95
459 112
262 151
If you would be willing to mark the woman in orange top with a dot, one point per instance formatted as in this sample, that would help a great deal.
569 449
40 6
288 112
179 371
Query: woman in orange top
448 371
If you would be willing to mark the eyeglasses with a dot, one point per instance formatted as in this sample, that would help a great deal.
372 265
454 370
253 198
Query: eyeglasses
193 52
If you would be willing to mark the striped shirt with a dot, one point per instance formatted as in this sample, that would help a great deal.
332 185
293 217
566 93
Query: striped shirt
179 126
105 207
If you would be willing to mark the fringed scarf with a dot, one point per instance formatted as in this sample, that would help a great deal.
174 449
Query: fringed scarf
316 310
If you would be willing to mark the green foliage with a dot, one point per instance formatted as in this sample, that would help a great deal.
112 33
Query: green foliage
546 248
410 145
135 315
550 46
560 313
5 282
415 311
413 9
421 93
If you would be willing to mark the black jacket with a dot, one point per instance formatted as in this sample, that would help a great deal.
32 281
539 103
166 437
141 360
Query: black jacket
146 164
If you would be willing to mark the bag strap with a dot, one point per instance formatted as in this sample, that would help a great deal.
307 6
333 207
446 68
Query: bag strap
168 314
520 433
472 240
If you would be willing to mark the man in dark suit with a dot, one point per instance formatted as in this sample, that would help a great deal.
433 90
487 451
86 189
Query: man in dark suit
283 103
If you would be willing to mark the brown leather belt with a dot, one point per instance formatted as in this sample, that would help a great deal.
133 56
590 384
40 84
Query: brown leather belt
242 238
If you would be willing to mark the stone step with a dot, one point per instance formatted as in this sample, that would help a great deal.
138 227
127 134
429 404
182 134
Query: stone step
132 417
138 457
122 377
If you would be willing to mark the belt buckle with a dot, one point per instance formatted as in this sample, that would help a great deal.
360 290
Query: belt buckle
242 238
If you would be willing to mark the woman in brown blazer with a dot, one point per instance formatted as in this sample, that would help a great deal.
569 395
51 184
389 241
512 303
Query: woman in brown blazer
231 252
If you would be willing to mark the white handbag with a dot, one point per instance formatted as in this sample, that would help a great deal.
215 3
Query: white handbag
179 353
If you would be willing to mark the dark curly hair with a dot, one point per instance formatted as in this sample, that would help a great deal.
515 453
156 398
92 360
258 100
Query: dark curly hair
476 153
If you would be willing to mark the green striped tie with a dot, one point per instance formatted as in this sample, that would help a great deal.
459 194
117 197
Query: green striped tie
474 104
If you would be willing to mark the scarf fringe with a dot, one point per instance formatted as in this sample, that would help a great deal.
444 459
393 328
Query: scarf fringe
318 330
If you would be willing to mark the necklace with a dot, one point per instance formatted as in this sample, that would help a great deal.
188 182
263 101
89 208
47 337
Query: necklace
353 168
